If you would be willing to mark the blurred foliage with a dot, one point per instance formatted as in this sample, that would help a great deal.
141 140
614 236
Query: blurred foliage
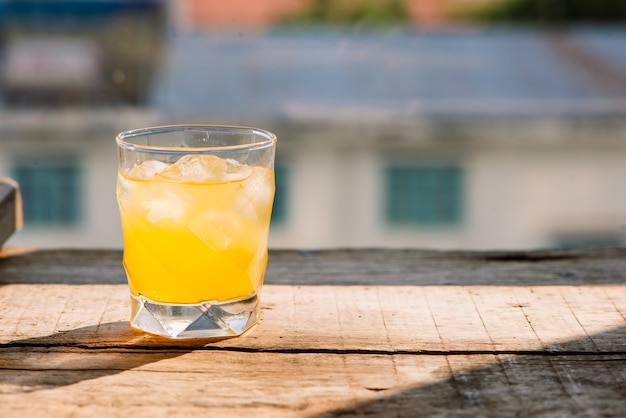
551 11
349 12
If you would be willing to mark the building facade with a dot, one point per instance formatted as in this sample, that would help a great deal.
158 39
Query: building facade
470 184
483 139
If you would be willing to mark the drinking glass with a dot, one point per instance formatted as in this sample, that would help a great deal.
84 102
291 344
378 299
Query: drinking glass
195 204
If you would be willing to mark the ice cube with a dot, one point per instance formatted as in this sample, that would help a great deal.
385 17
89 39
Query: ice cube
196 168
216 228
166 206
124 190
147 169
236 171
255 200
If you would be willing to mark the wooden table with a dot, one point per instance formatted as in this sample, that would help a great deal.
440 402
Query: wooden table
347 333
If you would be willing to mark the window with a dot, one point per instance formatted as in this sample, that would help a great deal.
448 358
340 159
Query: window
425 195
279 211
50 191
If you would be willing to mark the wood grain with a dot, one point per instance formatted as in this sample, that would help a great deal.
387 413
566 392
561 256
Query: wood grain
226 383
359 319
486 334
350 267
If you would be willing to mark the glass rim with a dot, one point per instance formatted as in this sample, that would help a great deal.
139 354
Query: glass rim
122 142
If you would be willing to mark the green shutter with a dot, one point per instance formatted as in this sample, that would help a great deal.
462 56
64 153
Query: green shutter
51 191
425 195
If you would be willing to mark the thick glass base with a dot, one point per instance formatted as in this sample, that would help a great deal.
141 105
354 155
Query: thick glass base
202 320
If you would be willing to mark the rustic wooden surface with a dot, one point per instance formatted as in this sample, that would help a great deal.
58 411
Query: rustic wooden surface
350 267
389 333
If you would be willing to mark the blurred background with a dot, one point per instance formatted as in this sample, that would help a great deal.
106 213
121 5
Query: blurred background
443 124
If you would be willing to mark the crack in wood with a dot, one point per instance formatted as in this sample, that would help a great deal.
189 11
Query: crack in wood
526 257
168 348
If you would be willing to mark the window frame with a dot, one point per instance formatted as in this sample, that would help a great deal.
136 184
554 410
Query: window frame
52 190
400 176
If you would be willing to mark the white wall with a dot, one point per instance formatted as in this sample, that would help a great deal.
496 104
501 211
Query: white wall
99 226
519 194
90 136
522 192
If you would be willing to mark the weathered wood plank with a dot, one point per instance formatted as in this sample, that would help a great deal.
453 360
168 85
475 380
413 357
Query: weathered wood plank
414 324
586 302
341 318
351 267
457 320
502 316
453 334
552 317
196 382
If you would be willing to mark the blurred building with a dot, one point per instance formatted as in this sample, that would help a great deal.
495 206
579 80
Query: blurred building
65 161
72 52
464 138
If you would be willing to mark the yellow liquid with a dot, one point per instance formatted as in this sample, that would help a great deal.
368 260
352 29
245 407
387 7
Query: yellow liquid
194 242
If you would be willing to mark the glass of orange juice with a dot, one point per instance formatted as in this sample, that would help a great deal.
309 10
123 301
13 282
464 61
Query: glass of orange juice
195 204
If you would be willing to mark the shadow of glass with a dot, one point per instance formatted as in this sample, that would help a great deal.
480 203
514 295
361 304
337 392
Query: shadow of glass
69 357
555 383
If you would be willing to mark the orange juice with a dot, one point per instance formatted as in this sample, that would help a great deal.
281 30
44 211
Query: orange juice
196 230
